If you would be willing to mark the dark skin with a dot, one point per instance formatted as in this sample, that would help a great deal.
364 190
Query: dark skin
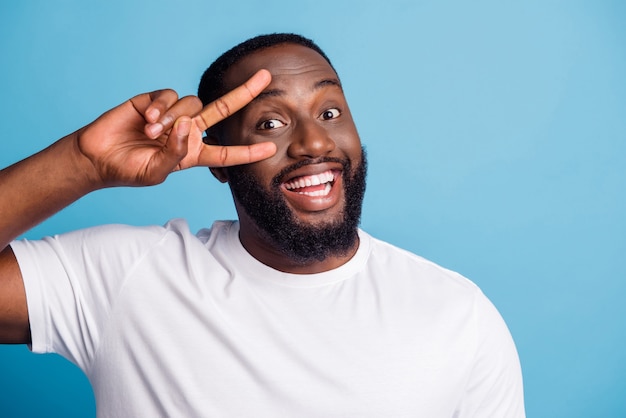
302 115
138 143
305 113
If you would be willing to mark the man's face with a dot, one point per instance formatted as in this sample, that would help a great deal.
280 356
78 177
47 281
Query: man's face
305 200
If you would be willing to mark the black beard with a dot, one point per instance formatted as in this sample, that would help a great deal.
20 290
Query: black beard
302 243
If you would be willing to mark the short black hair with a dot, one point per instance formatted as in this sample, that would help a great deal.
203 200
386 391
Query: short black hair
212 82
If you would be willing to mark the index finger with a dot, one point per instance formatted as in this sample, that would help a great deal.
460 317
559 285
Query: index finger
227 155
232 101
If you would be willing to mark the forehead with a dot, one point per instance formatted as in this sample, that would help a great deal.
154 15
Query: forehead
284 62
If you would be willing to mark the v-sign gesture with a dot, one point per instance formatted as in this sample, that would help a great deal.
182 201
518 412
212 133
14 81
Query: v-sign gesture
138 143
146 138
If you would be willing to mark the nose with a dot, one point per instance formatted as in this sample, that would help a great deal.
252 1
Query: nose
310 140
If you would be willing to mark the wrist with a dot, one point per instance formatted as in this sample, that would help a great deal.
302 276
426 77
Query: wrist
75 167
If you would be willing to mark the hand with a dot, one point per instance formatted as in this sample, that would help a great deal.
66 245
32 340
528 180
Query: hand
146 138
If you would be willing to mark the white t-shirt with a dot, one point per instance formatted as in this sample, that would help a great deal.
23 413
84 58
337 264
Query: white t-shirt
167 323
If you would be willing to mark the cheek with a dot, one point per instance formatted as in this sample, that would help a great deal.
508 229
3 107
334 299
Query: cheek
348 140
264 171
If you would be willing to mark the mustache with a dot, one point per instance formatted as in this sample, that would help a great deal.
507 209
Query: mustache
278 178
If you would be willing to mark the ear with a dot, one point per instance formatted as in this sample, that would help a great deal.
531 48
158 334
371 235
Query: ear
218 172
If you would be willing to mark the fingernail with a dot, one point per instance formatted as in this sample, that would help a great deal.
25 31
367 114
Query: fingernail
183 127
155 129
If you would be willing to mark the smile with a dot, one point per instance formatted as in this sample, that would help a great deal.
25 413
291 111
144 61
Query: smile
314 185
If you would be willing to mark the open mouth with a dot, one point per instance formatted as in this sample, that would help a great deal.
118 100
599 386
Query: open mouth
313 185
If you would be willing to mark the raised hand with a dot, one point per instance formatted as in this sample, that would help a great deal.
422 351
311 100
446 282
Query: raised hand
201 154
144 139
138 143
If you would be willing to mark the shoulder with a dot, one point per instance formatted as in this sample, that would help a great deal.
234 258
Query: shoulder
401 263
121 233
119 242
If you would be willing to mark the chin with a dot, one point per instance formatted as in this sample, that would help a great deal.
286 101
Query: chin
303 236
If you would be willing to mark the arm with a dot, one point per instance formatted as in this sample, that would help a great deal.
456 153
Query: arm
495 386
138 143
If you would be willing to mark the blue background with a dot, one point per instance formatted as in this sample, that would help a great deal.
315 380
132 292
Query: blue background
496 135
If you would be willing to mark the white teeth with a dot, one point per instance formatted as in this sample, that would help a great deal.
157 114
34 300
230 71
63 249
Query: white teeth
314 180
324 192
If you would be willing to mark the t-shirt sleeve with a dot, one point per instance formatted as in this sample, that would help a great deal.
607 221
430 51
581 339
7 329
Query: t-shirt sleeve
71 282
495 387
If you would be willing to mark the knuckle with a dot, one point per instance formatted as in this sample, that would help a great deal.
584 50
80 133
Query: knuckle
164 94
224 155
251 94
168 119
170 92
222 107
192 100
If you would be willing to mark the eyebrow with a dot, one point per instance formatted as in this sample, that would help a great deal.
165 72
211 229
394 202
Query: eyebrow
317 86
328 82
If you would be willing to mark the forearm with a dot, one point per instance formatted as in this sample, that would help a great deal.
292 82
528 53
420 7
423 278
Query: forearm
39 186
120 149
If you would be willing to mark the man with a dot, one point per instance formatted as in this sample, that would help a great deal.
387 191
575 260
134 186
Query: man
291 311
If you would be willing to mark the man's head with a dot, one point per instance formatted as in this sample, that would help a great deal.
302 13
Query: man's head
212 82
304 203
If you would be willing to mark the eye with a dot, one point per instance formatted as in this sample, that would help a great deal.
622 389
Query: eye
270 124
330 114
